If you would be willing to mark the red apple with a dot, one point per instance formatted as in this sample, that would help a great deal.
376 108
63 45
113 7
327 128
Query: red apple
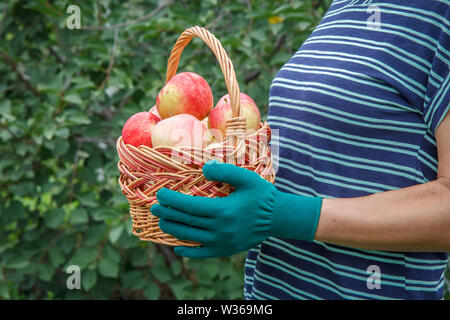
155 111
222 112
181 130
186 92
138 129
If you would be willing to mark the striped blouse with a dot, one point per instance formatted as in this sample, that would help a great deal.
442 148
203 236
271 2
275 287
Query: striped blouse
356 111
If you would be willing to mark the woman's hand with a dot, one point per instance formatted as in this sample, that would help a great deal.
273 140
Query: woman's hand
238 222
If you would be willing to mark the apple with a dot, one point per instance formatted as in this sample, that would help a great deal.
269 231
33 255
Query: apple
186 92
181 130
222 112
155 111
137 131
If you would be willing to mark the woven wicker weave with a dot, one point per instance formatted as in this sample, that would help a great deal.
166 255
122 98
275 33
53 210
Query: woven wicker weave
144 170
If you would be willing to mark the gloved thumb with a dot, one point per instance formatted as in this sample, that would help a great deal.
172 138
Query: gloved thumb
229 173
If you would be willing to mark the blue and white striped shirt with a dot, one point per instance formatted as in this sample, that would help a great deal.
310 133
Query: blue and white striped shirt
357 108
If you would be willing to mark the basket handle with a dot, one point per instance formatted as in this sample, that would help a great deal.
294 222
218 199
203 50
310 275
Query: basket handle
216 47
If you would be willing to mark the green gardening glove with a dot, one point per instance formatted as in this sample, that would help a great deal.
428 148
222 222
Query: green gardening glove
224 226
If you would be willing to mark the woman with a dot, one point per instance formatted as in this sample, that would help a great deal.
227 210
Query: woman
361 204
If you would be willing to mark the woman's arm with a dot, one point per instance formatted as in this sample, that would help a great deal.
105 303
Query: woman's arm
415 218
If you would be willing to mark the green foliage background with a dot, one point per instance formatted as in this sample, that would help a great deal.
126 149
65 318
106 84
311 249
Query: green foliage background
67 93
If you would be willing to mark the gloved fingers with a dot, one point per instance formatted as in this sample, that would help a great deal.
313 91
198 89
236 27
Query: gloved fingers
196 252
195 205
180 216
229 173
185 232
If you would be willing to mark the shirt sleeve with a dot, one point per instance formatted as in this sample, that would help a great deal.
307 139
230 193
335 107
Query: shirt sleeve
438 106
437 103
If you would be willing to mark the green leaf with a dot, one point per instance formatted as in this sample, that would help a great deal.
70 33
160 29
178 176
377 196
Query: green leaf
44 7
134 280
79 215
22 189
138 257
16 210
162 273
49 131
87 62
280 58
56 256
152 291
17 262
54 86
111 252
95 234
258 34
73 98
46 272
54 218
108 268
62 133
175 266
181 288
60 147
83 257
67 243
81 84
77 118
206 273
204 293
88 200
4 290
88 279
115 233
6 246
5 109
129 226
103 214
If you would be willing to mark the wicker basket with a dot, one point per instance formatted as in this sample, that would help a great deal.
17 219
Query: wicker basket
145 170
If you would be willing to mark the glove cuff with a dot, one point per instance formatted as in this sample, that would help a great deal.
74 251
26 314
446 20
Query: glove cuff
295 216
